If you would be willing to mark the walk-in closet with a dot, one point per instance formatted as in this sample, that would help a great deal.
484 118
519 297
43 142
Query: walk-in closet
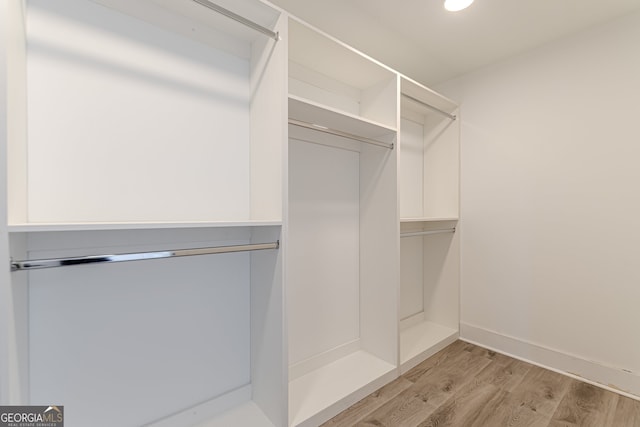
223 213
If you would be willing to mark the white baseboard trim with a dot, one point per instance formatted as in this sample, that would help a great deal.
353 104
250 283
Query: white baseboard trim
610 378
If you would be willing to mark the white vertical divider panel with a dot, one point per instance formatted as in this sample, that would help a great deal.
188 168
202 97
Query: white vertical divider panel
268 340
14 373
16 113
268 122
379 260
379 228
268 147
5 277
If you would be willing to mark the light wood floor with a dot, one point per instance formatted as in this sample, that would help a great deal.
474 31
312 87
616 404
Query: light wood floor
466 385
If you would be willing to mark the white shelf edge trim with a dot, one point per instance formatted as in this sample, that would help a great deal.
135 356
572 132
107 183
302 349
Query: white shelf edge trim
98 226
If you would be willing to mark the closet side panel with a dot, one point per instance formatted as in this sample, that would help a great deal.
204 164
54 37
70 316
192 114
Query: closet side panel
411 276
5 279
323 281
129 122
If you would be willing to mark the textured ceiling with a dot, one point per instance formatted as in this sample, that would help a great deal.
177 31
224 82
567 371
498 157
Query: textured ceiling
422 40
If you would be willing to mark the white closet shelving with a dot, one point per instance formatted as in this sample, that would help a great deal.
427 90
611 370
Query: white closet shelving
135 127
147 126
429 169
341 227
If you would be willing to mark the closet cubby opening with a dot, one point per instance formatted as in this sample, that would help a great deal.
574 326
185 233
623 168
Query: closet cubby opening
330 75
147 111
429 296
429 155
189 336
342 228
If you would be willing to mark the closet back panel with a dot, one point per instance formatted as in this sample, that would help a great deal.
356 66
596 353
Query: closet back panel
412 276
441 276
441 167
411 169
324 220
149 338
125 116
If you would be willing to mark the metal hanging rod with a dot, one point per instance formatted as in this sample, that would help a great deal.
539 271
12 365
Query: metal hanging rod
431 107
140 256
319 128
241 19
426 233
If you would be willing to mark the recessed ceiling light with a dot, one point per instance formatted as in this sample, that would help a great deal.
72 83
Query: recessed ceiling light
456 5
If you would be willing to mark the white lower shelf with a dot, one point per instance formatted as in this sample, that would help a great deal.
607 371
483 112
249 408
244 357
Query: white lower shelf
323 393
422 340
247 414
234 408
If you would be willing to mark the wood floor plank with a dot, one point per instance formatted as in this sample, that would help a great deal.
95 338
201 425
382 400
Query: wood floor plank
541 390
468 386
585 405
430 390
627 413
363 408
465 407
432 362
508 411
505 374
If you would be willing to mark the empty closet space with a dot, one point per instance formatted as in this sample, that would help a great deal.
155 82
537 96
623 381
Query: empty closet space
342 227
429 243
139 130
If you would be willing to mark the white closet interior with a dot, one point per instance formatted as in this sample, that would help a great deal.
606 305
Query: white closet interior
162 125
429 244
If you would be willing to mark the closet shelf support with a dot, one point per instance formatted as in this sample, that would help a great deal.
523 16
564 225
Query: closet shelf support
426 233
335 132
139 256
241 19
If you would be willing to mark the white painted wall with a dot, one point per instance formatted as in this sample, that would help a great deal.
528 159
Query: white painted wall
551 202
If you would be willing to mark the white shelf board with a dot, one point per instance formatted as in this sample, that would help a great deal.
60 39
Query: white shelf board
318 114
422 340
431 219
324 392
246 414
426 95
180 16
98 226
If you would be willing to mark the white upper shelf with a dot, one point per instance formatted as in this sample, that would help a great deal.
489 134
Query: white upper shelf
98 226
317 114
